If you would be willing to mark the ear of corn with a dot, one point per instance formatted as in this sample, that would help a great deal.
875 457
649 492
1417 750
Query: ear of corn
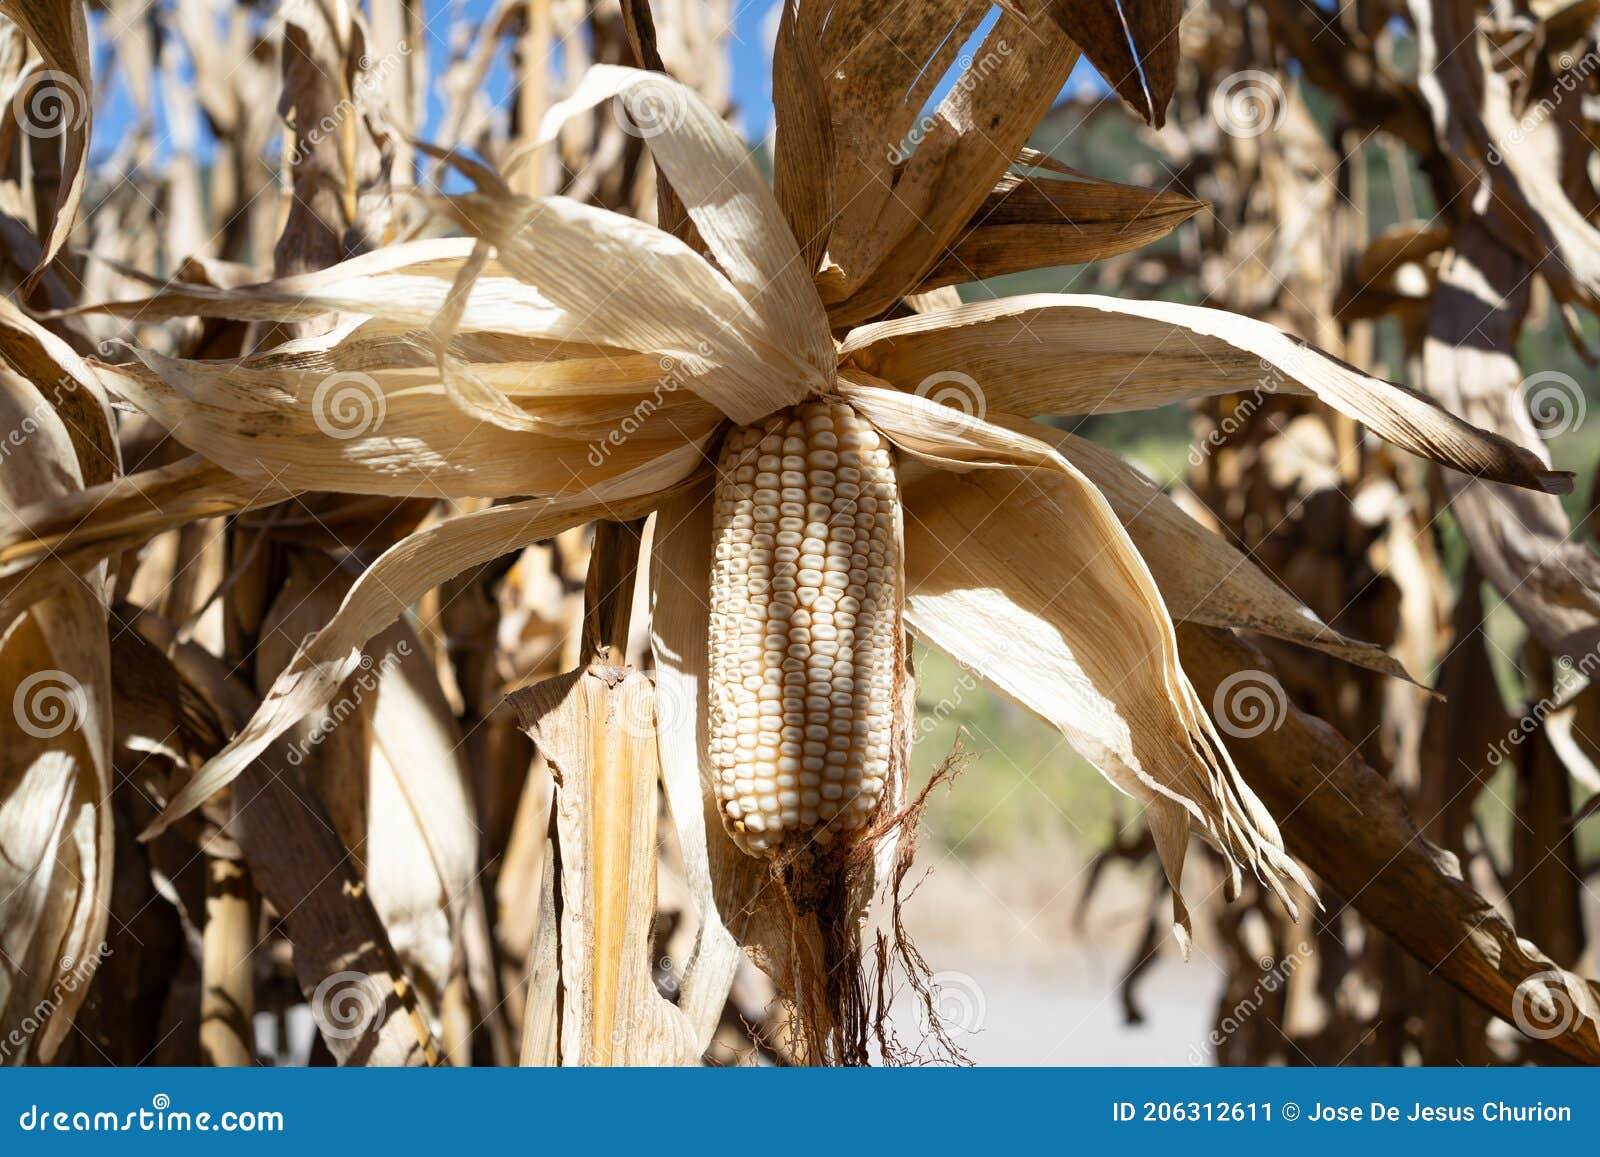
805 633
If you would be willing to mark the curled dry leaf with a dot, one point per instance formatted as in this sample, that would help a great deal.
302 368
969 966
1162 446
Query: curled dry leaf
55 764
61 96
1136 354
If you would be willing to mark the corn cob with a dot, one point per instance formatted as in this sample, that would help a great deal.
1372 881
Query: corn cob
805 636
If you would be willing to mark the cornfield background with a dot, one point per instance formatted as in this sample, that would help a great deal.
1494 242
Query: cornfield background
364 370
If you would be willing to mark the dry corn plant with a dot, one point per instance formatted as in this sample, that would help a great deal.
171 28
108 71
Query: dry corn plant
1319 222
797 446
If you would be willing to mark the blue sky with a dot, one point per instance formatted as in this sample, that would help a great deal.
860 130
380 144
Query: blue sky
754 22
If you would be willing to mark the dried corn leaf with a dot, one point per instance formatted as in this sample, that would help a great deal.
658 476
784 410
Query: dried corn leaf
878 76
1031 222
1032 562
1522 541
1350 826
55 763
963 150
386 758
598 735
730 204
1079 354
1202 578
399 577
804 150
389 430
61 98
1133 44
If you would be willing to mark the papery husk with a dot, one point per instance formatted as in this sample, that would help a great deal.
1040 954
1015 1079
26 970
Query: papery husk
1202 577
397 579
59 30
55 763
1082 354
982 548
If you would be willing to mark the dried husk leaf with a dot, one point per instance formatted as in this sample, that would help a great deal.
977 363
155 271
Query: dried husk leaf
963 150
391 430
1004 562
59 29
638 288
1031 222
680 576
878 76
1082 354
804 149
1133 45
396 580
55 763
729 202
1202 578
